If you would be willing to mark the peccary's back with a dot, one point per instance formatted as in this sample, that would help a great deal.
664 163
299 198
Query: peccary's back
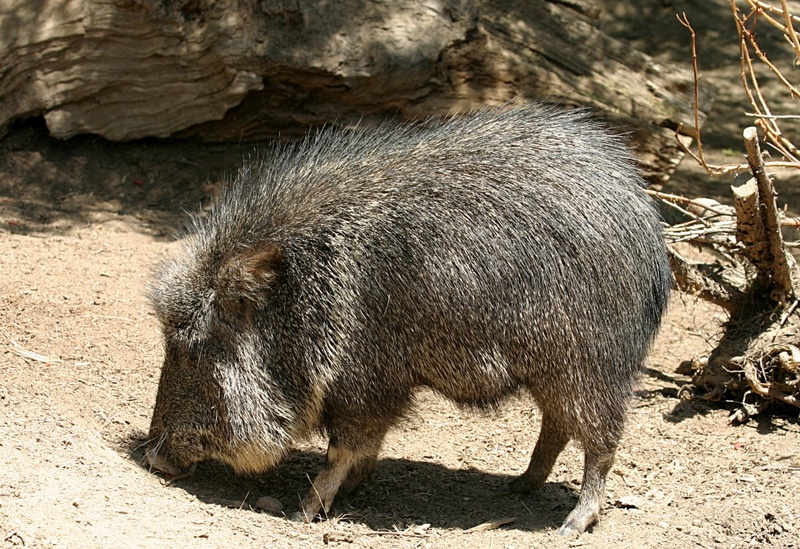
472 256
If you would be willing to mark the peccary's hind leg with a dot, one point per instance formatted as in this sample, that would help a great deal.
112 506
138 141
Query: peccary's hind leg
349 461
599 449
552 439
361 470
599 436
587 511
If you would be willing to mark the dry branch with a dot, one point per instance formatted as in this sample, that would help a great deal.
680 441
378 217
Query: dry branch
753 277
765 389
765 119
700 280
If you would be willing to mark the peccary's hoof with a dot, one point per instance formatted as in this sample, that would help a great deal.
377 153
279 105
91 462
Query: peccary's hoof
567 530
577 522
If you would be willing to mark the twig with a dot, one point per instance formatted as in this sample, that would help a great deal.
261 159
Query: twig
696 89
491 525
749 74
767 122
692 201
30 354
756 4
711 169
773 116
787 19
784 317
763 57
400 533
688 213
699 157
765 119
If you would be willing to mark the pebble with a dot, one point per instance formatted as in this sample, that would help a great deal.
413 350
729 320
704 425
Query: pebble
269 505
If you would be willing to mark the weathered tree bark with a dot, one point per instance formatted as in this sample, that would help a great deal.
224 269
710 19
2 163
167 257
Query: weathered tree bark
772 259
750 223
244 69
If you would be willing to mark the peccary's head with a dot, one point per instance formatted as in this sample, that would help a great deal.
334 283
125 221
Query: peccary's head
217 397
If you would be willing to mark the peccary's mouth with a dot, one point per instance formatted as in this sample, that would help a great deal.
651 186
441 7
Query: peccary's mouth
160 463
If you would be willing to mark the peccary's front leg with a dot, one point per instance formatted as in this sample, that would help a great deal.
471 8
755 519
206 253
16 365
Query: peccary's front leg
349 461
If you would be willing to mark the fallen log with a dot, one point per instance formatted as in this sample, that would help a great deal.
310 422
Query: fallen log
225 70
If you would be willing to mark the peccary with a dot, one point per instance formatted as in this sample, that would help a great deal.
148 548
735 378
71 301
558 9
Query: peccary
502 251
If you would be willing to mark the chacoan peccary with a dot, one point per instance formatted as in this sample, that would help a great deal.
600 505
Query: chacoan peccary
503 251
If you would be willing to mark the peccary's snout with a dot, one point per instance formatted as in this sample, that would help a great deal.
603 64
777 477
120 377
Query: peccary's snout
158 454
159 462
173 452
185 419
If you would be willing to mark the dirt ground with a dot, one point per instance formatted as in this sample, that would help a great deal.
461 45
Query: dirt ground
83 222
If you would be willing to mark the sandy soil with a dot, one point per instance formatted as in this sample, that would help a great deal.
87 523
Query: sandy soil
83 222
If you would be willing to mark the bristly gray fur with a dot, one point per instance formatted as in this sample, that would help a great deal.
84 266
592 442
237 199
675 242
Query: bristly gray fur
479 256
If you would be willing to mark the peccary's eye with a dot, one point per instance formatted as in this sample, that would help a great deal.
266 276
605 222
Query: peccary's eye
235 312
233 306
229 307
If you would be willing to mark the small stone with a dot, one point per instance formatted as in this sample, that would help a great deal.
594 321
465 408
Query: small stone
269 505
629 502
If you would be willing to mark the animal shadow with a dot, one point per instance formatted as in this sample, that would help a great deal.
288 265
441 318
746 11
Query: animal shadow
401 492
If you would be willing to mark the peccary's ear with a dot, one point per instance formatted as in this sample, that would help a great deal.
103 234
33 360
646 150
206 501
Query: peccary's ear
249 274
262 263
